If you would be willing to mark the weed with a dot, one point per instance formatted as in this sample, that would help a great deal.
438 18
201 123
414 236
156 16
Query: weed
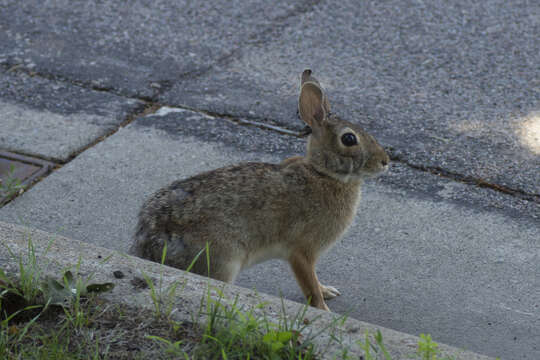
231 333
29 294
10 335
378 348
165 297
170 347
427 349
28 282
72 296
10 186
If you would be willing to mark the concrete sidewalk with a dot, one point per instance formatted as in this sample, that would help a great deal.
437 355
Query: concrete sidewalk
125 98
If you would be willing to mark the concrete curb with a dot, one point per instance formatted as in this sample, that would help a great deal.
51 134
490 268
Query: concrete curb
56 254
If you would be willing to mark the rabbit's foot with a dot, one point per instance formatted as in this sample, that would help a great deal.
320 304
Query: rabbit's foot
329 292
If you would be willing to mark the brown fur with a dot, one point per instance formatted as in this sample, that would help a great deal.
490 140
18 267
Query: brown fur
251 212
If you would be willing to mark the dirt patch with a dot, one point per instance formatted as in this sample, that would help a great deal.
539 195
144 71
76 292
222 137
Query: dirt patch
110 331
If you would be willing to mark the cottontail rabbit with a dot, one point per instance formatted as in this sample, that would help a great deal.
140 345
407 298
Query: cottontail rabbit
252 212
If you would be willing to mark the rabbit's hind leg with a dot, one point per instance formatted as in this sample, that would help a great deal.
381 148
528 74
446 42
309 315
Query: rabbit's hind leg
226 271
221 267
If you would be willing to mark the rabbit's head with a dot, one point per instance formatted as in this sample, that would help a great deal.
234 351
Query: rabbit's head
336 147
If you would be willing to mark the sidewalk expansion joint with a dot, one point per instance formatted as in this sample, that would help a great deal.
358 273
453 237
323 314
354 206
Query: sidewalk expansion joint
245 122
469 180
88 85
20 172
40 167
147 108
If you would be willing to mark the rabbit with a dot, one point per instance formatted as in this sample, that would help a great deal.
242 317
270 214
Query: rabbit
252 212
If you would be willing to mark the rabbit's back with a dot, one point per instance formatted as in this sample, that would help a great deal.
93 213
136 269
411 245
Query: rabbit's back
203 205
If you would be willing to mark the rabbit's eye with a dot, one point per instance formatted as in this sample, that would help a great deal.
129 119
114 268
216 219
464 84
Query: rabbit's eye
349 139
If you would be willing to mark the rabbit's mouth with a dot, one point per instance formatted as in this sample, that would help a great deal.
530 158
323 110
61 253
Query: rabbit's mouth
354 171
374 171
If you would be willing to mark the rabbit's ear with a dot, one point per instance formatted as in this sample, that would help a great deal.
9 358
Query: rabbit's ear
310 104
306 77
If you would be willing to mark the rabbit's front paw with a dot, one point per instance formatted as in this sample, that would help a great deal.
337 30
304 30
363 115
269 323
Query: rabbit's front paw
329 292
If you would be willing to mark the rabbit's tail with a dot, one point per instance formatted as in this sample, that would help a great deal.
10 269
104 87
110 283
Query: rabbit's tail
152 233
159 245
145 240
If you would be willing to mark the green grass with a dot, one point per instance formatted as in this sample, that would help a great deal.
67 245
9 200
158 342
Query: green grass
10 186
163 298
31 293
28 281
232 333
374 351
228 332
